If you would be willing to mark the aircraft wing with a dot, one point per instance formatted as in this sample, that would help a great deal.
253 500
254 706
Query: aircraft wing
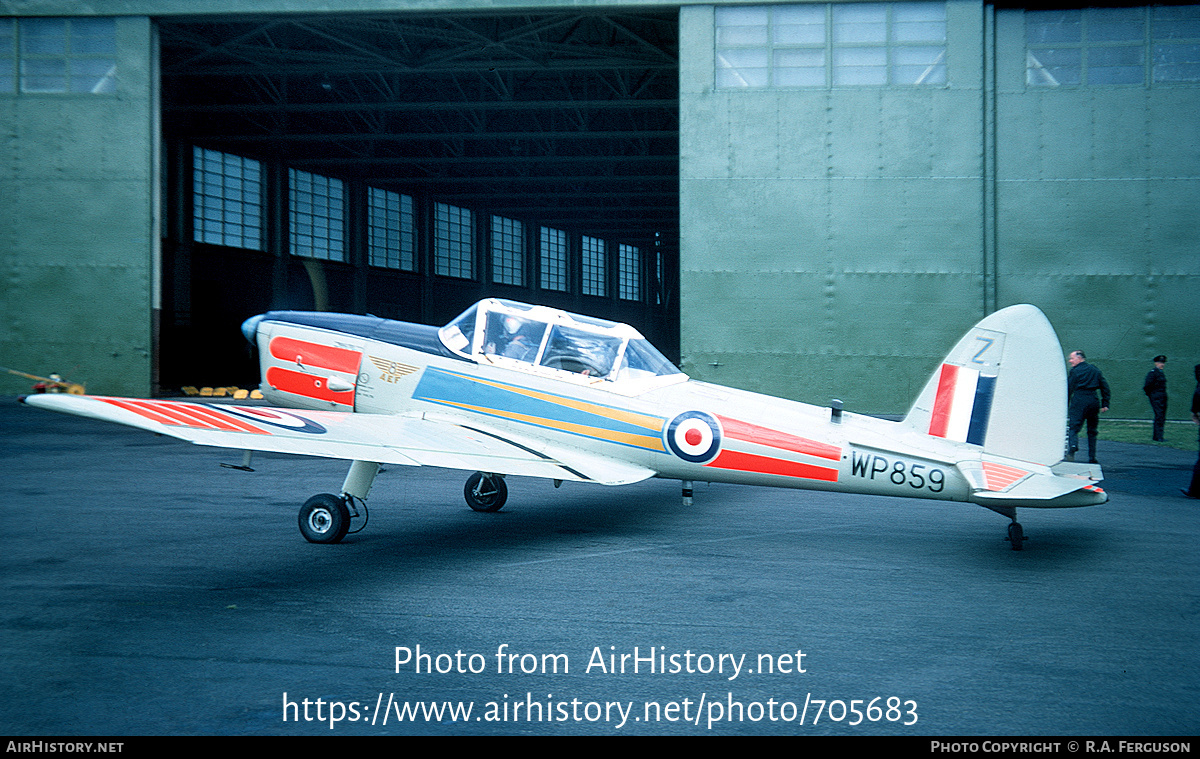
409 440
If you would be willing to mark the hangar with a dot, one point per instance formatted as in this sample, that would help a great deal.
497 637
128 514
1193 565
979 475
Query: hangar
811 199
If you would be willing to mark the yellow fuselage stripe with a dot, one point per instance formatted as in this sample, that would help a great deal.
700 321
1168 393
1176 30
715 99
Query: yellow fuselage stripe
625 438
616 414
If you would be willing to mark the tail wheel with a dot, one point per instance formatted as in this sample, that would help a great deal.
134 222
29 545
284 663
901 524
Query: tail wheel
485 492
324 518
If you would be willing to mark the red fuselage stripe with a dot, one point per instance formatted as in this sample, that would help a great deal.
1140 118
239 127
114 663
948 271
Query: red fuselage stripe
749 462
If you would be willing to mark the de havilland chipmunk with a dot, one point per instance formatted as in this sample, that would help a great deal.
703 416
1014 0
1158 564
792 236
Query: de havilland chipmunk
513 389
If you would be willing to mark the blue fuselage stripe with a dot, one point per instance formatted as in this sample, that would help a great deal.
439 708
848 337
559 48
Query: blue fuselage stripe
536 408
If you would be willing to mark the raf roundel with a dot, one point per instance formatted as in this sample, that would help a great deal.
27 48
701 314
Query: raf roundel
694 436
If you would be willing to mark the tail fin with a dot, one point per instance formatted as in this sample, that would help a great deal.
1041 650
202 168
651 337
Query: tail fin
1003 387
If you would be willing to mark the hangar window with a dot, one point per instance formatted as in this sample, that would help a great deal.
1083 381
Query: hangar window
453 233
840 44
316 216
391 230
1103 46
227 199
508 251
67 55
553 259
1175 40
595 274
629 282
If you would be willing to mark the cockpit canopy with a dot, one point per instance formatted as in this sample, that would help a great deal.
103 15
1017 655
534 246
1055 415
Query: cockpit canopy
549 341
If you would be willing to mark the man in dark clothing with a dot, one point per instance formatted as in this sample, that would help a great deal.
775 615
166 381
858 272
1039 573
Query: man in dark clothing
1082 404
1193 490
1155 388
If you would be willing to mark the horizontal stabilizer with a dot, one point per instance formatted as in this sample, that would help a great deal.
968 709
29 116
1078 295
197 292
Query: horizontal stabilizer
1014 483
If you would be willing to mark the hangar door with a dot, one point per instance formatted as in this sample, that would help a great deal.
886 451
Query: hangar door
406 166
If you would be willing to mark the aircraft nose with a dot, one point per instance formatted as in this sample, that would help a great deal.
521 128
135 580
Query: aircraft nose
250 327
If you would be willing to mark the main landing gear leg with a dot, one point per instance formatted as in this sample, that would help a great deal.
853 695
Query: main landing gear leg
325 518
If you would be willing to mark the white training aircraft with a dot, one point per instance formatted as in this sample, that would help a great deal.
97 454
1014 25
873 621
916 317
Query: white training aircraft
509 388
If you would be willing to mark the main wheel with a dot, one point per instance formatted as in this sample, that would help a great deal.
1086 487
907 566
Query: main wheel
324 518
1016 535
485 492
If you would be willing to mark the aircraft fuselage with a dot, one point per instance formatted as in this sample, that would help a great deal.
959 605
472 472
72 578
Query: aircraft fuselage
687 430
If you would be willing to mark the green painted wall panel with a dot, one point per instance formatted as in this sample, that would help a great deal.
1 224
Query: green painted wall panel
1073 226
833 225
77 336
84 222
1173 232
77 229
845 227
1121 322
1096 202
1173 132
911 318
754 225
905 225
753 137
867 232
758 325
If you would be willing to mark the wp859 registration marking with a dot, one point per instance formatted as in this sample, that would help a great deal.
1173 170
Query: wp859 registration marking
872 466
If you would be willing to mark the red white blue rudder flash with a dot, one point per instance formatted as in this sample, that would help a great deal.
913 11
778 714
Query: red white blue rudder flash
963 404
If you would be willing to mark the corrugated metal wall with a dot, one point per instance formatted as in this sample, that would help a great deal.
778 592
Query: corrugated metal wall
837 241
